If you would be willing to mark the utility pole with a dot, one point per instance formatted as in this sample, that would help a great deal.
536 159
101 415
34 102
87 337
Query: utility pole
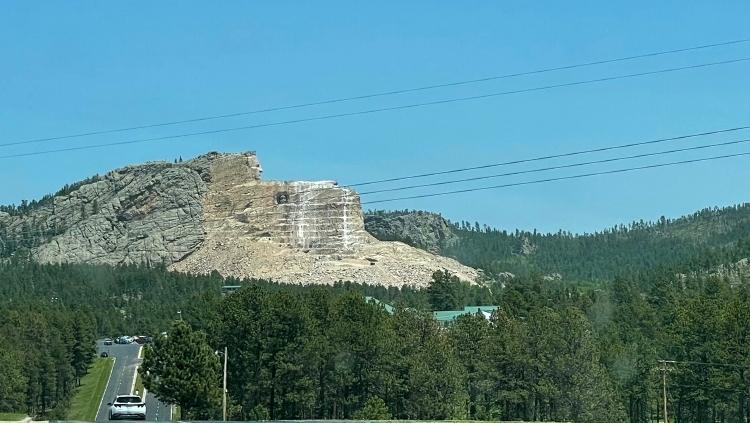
664 387
224 401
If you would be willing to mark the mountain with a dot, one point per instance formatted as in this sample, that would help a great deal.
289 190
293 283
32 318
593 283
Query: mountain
640 246
215 213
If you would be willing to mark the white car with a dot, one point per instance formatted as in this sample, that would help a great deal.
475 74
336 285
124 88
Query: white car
129 407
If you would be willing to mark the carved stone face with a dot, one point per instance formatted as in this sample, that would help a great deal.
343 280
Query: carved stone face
282 197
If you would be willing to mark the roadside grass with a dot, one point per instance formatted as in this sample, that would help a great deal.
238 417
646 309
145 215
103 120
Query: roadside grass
177 414
138 384
12 417
87 397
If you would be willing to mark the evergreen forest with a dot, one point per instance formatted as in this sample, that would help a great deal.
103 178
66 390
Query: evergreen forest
589 346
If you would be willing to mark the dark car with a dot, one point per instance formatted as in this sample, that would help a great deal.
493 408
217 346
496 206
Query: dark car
104 354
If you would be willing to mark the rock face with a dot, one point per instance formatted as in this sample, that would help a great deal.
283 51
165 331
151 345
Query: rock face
215 213
428 231
143 214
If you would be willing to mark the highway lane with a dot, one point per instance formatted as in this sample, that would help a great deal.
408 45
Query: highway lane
157 410
122 378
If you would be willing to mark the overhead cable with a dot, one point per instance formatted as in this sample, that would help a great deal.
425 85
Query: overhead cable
380 94
377 110
561 178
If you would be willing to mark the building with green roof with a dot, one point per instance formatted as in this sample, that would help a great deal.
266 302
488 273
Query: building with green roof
444 317
389 308
447 317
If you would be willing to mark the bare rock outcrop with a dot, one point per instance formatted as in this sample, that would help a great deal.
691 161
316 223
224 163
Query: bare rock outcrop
147 214
300 232
425 230
215 213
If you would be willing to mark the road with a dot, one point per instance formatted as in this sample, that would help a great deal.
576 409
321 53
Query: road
122 380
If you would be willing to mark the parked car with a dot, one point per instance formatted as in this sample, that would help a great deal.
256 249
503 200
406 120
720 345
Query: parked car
127 407
143 339
108 341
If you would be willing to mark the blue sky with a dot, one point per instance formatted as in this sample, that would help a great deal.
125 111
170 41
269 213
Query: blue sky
82 66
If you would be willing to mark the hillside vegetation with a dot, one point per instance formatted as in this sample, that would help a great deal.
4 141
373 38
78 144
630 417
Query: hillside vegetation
553 351
582 347
599 256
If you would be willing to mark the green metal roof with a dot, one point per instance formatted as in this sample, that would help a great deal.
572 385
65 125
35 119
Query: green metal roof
447 315
389 308
443 316
450 315
476 309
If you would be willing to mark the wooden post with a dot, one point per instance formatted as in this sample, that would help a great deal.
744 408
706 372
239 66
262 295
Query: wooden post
664 389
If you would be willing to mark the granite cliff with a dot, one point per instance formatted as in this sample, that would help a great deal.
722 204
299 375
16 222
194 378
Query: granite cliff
215 212
425 230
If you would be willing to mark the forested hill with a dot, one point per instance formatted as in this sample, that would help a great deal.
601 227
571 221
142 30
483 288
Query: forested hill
624 249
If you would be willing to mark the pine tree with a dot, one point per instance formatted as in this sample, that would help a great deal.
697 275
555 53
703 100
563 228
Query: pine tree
183 369
374 409
84 347
444 291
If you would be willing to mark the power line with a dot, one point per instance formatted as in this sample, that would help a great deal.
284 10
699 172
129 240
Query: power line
380 94
621 146
539 158
527 160
661 140
521 172
320 192
562 178
531 159
378 110
553 156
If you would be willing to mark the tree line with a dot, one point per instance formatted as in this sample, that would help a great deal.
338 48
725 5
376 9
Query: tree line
600 256
551 352
555 350
44 352
315 355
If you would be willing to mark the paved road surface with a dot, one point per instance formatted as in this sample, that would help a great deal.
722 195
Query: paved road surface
157 410
122 379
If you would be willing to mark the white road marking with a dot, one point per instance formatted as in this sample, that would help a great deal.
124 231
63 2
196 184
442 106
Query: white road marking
135 371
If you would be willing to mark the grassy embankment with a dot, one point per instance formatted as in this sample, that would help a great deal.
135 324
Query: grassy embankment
12 417
138 384
88 396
